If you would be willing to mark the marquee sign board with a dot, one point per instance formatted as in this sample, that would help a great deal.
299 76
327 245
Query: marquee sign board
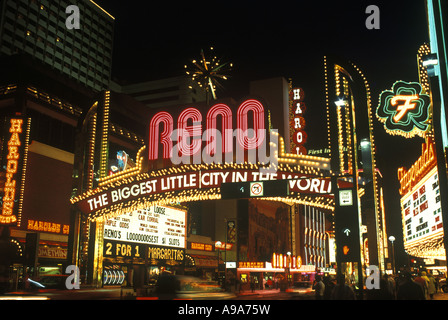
421 205
404 110
156 225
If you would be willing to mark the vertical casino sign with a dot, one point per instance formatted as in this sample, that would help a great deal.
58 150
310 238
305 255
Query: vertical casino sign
297 125
13 166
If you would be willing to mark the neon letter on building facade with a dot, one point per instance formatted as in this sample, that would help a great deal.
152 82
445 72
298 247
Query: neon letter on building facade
402 109
226 130
189 137
189 132
242 123
165 137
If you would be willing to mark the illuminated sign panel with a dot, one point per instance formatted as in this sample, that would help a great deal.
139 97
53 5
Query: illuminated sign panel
200 246
114 249
421 206
404 110
258 189
157 225
297 110
50 227
162 253
421 211
409 178
178 172
299 183
286 261
251 264
223 246
15 147
52 252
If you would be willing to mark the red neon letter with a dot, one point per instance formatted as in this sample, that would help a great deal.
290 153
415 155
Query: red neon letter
257 108
193 133
226 134
165 137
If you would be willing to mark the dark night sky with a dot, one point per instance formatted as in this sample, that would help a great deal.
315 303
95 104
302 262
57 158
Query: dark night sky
280 38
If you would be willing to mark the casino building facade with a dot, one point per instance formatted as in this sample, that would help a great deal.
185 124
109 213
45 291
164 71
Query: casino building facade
187 204
224 190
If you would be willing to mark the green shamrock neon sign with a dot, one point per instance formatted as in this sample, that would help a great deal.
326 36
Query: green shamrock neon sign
404 110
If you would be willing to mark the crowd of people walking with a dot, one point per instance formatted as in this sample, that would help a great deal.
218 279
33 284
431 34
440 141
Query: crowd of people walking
404 286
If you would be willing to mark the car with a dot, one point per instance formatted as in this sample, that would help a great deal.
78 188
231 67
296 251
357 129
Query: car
182 287
302 290
40 288
51 282
443 285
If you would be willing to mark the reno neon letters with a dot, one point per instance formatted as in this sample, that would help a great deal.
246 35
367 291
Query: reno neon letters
190 132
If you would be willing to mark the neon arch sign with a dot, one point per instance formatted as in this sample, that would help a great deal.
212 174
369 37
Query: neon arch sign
189 137
148 183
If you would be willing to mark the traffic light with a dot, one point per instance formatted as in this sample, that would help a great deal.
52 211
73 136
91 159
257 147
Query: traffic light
347 231
256 189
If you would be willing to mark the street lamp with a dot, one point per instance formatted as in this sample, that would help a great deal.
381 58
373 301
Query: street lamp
218 245
392 239
341 102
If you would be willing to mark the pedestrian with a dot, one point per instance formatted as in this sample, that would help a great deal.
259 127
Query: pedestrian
381 293
431 285
238 285
329 286
26 283
342 291
390 282
437 283
409 289
252 285
423 280
319 288
269 283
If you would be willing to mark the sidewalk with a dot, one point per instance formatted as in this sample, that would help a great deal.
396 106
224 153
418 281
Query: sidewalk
257 292
441 296
437 296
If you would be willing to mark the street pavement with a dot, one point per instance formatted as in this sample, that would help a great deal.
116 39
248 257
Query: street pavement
441 296
116 294
276 294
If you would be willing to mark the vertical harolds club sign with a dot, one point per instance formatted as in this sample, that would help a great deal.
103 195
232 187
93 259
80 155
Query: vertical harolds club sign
14 155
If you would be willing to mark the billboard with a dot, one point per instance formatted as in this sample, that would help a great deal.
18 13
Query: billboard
421 211
421 206
156 225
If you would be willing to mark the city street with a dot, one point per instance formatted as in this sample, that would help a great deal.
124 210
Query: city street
277 295
118 294
223 153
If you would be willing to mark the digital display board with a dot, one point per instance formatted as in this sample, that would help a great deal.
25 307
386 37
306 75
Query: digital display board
156 225
421 211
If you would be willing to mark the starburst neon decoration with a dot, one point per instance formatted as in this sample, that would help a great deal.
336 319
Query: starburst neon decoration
208 72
